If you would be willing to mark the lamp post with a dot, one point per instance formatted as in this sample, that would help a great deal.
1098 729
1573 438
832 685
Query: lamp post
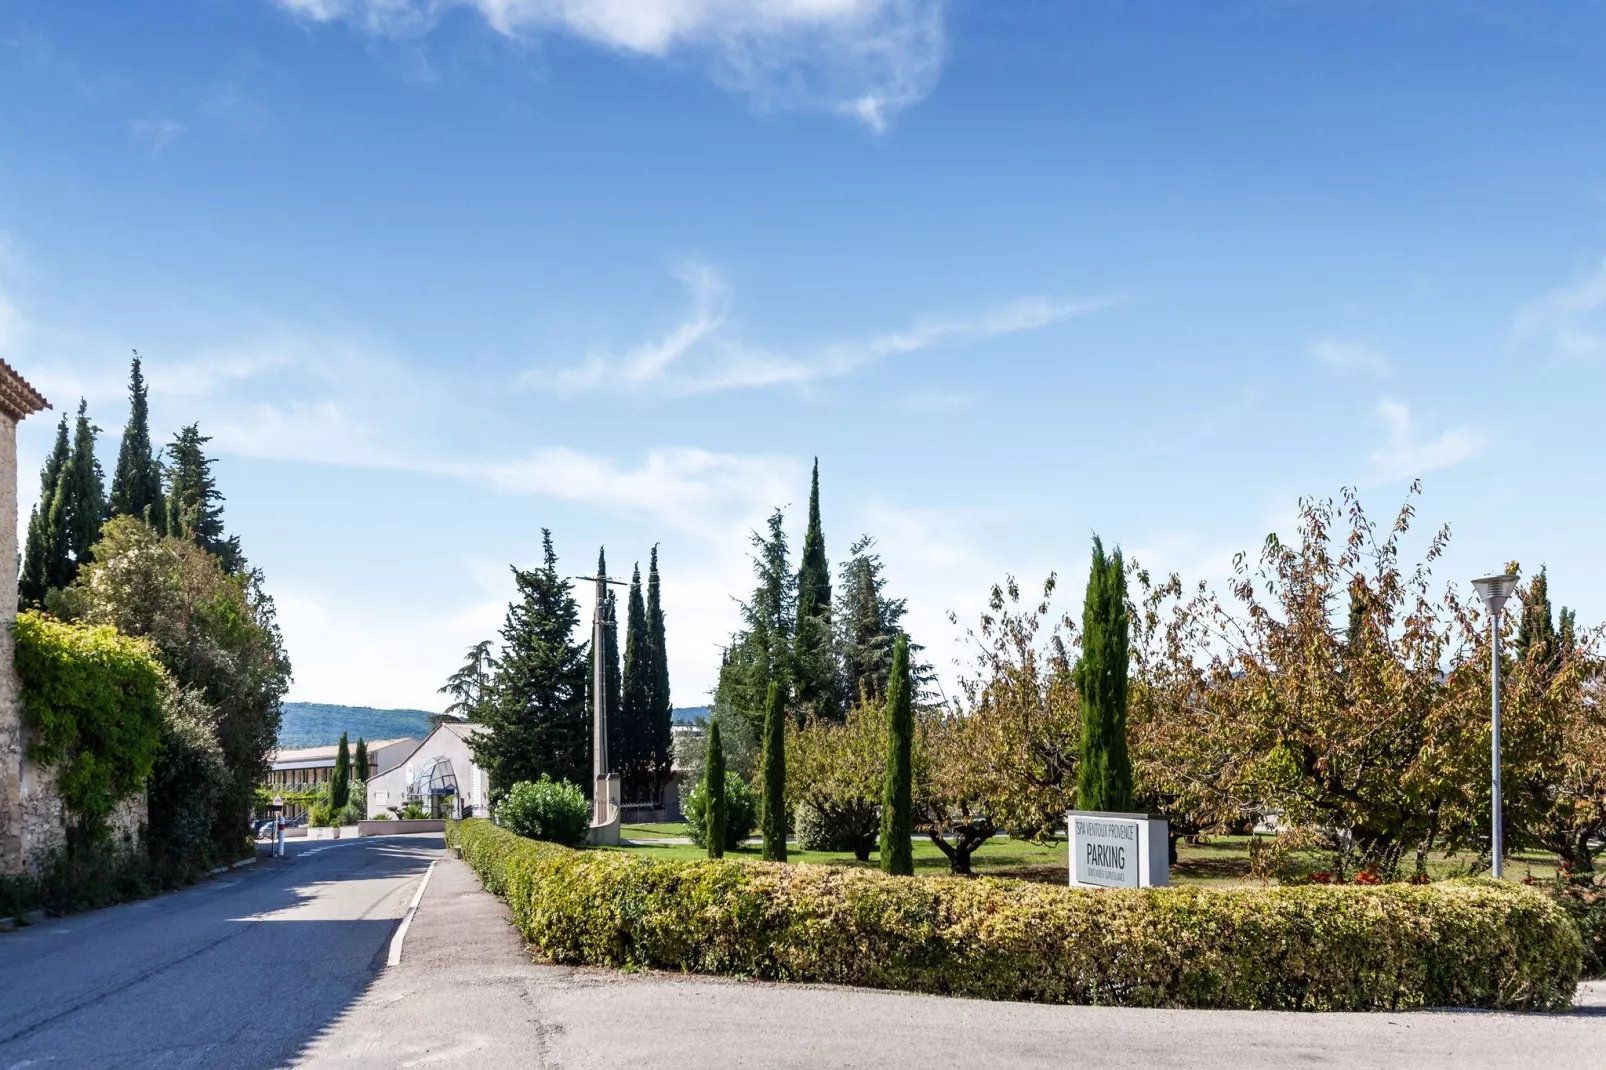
277 809
1494 590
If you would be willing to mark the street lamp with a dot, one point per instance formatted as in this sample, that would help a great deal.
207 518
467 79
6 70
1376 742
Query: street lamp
277 810
1494 590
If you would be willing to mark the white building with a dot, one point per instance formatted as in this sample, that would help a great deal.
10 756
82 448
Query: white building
310 768
439 775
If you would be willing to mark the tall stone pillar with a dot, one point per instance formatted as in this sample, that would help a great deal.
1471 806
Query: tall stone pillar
17 400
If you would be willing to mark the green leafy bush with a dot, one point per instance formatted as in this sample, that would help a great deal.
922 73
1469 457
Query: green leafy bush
546 809
1474 943
1584 900
849 829
319 815
741 812
413 812
187 782
93 698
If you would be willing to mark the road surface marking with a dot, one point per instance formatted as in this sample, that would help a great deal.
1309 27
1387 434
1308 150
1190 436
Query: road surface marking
412 908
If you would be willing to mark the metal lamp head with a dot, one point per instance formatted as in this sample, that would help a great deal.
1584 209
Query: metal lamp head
1494 590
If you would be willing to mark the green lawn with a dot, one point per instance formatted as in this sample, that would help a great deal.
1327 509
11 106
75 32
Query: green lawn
1219 861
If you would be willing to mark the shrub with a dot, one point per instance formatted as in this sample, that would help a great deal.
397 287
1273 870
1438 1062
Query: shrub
93 698
851 829
318 815
413 812
187 781
1584 900
1475 943
383 815
547 809
741 812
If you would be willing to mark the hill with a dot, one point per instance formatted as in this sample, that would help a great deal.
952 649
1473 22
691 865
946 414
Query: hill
317 724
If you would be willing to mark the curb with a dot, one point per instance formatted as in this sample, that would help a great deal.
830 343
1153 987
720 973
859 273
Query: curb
394 958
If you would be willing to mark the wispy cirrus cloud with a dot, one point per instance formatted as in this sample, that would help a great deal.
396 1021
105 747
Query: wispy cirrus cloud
1572 318
867 59
700 355
1405 454
157 133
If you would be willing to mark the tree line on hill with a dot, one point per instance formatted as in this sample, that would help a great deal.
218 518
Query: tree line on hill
534 691
152 560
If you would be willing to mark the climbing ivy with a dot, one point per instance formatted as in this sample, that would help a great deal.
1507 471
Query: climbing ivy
93 698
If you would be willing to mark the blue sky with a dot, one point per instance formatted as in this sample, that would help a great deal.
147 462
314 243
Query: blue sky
435 275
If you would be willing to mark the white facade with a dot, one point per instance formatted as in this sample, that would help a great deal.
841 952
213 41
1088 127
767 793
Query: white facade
444 751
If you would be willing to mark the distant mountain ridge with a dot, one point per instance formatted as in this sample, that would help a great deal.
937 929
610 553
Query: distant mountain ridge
319 724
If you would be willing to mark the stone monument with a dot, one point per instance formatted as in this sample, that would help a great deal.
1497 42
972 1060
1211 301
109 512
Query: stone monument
605 796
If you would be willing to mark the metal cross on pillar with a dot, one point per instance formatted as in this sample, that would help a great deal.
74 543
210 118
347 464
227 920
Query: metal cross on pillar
605 794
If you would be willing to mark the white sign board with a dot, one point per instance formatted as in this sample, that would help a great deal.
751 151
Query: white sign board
1118 850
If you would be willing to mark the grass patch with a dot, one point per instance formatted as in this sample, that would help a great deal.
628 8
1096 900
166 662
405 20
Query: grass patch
659 830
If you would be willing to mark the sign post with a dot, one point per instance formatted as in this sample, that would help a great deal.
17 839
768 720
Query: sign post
1118 850
277 810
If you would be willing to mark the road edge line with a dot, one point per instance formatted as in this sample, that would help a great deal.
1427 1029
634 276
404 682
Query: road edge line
394 958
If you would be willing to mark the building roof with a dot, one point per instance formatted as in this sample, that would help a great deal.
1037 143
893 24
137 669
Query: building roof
460 729
314 757
18 398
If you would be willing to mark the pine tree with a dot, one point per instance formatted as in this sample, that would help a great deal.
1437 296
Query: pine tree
38 565
714 792
194 504
897 790
359 760
1104 781
814 656
635 704
537 723
1536 630
340 779
774 766
137 481
868 622
79 507
471 686
761 651
660 711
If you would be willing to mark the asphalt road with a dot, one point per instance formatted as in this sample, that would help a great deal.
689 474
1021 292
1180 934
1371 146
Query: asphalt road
242 971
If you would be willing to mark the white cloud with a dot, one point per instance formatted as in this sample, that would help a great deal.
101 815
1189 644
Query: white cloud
867 59
1571 318
157 133
1404 455
1347 357
699 356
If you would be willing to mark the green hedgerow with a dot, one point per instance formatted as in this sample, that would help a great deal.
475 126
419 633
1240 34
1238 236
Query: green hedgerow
1469 943
546 809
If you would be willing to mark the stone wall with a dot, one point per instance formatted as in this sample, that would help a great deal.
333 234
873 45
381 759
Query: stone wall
18 824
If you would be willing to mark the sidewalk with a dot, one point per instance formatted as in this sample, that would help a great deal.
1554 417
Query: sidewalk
467 994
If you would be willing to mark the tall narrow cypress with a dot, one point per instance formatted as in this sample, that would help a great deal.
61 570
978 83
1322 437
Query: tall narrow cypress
137 481
37 565
814 654
660 736
78 508
340 780
359 760
635 698
897 790
714 792
774 815
194 504
1104 781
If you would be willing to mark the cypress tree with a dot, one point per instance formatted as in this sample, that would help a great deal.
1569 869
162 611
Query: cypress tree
340 779
194 504
78 508
635 698
897 789
762 650
1104 781
537 722
137 481
660 711
610 673
714 792
38 565
359 760
814 655
774 765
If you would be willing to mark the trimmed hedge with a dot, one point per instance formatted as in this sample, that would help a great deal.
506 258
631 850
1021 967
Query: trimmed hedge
1470 943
